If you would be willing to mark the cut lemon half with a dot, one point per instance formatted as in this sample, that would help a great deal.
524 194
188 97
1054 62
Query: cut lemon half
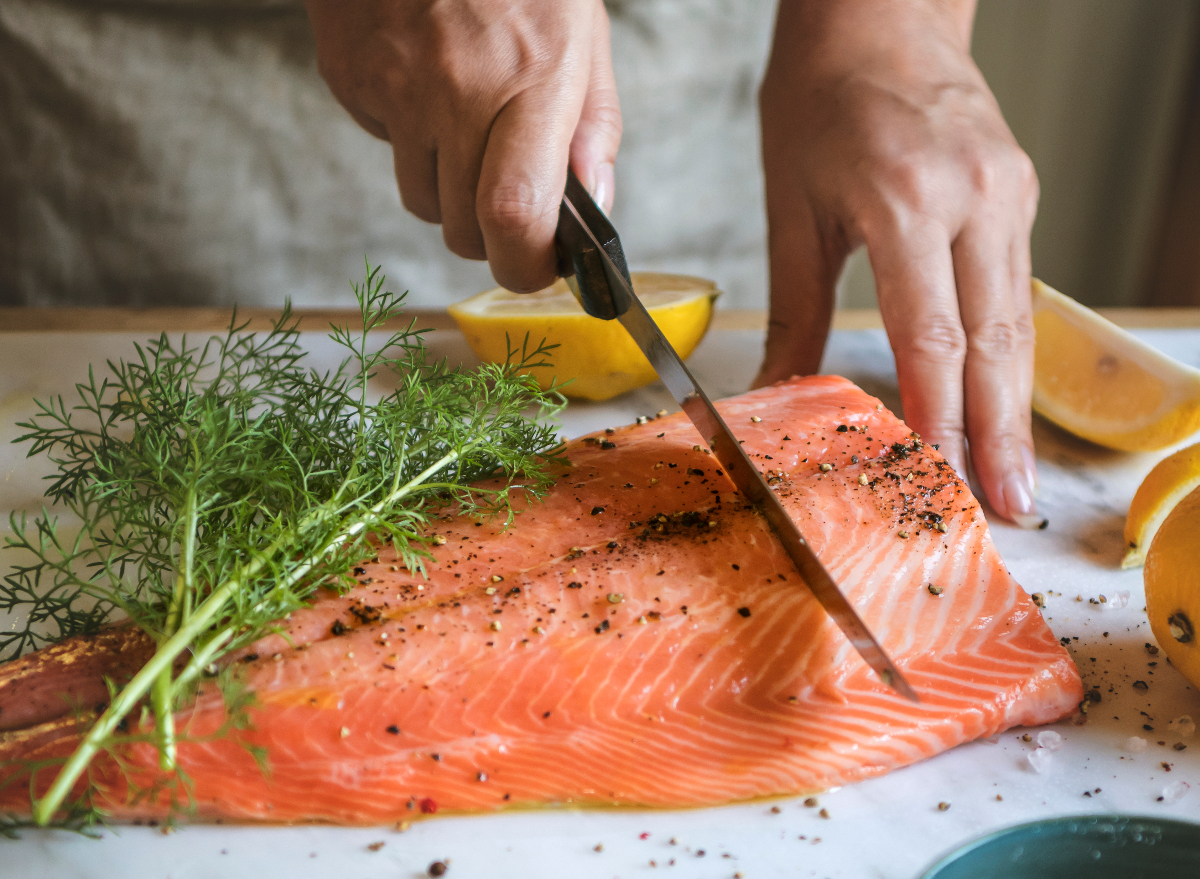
1172 580
1099 382
598 357
1171 480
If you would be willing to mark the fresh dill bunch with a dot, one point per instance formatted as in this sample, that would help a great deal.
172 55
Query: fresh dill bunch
219 485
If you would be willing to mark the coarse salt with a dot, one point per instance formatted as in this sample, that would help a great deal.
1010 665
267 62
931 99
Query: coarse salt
1184 725
1118 600
1175 791
1040 760
1049 739
1135 744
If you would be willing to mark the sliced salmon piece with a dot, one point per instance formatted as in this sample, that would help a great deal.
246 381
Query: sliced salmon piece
638 638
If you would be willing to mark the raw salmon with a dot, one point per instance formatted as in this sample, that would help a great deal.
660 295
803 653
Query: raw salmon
638 638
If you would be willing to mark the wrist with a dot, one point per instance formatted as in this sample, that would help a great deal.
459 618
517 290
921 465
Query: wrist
854 33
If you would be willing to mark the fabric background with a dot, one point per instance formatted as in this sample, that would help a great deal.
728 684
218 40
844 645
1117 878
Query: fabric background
184 152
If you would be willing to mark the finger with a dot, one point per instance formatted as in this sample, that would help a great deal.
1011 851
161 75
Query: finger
804 265
458 161
598 134
369 123
416 175
1021 269
1020 277
996 373
521 182
914 278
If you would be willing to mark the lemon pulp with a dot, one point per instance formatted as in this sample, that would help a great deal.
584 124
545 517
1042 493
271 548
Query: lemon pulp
1101 383
597 357
1171 480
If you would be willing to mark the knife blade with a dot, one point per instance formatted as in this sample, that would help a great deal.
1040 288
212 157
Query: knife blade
593 263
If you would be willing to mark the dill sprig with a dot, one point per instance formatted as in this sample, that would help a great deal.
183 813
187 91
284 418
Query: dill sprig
219 485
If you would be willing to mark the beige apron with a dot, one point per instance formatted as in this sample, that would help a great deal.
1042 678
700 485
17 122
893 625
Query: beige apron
156 153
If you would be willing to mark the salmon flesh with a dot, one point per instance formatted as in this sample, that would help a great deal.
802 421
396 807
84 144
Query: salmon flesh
637 638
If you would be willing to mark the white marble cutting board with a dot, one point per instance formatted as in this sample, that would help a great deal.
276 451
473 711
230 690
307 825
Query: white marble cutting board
888 827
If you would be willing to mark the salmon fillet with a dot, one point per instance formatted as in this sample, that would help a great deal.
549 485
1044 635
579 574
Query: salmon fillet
638 638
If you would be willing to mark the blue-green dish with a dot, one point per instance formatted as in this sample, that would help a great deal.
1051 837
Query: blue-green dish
1086 846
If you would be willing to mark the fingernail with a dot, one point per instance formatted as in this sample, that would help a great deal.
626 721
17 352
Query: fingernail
602 191
1018 500
1031 475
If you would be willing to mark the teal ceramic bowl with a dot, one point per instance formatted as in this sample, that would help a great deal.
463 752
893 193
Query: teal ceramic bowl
1087 847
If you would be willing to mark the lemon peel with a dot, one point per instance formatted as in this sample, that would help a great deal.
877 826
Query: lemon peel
1172 580
1171 480
597 357
1099 382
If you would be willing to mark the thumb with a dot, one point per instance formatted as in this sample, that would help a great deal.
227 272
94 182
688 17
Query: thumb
804 266
598 134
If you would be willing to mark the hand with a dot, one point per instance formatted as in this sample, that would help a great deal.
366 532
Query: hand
878 129
484 102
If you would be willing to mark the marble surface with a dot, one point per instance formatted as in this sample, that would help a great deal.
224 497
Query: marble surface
890 827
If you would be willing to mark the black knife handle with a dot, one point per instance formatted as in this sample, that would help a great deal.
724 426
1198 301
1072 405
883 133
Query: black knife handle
582 229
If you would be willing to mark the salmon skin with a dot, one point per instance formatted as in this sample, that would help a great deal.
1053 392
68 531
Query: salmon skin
638 638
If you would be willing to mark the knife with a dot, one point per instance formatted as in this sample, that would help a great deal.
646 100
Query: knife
593 263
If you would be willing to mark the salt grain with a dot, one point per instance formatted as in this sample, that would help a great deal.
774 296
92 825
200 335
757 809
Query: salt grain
1118 600
1175 791
1049 739
1040 760
1183 725
1135 744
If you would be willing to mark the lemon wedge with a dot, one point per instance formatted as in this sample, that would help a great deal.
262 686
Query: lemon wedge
1172 580
1171 480
598 357
1097 381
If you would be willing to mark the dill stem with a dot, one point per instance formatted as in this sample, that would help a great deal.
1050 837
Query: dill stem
164 657
162 696
160 699
159 663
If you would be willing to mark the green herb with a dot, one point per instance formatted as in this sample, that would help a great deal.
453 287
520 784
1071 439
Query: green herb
219 485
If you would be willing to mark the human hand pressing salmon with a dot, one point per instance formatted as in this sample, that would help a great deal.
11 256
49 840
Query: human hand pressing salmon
879 130
484 103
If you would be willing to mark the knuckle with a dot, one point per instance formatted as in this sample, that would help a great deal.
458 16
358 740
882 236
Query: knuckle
995 340
905 180
941 340
1005 171
1025 171
1024 330
385 82
604 115
511 209
1006 443
985 173
1031 187
458 75
902 196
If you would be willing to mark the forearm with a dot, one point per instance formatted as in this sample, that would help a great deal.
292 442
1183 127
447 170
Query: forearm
819 32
